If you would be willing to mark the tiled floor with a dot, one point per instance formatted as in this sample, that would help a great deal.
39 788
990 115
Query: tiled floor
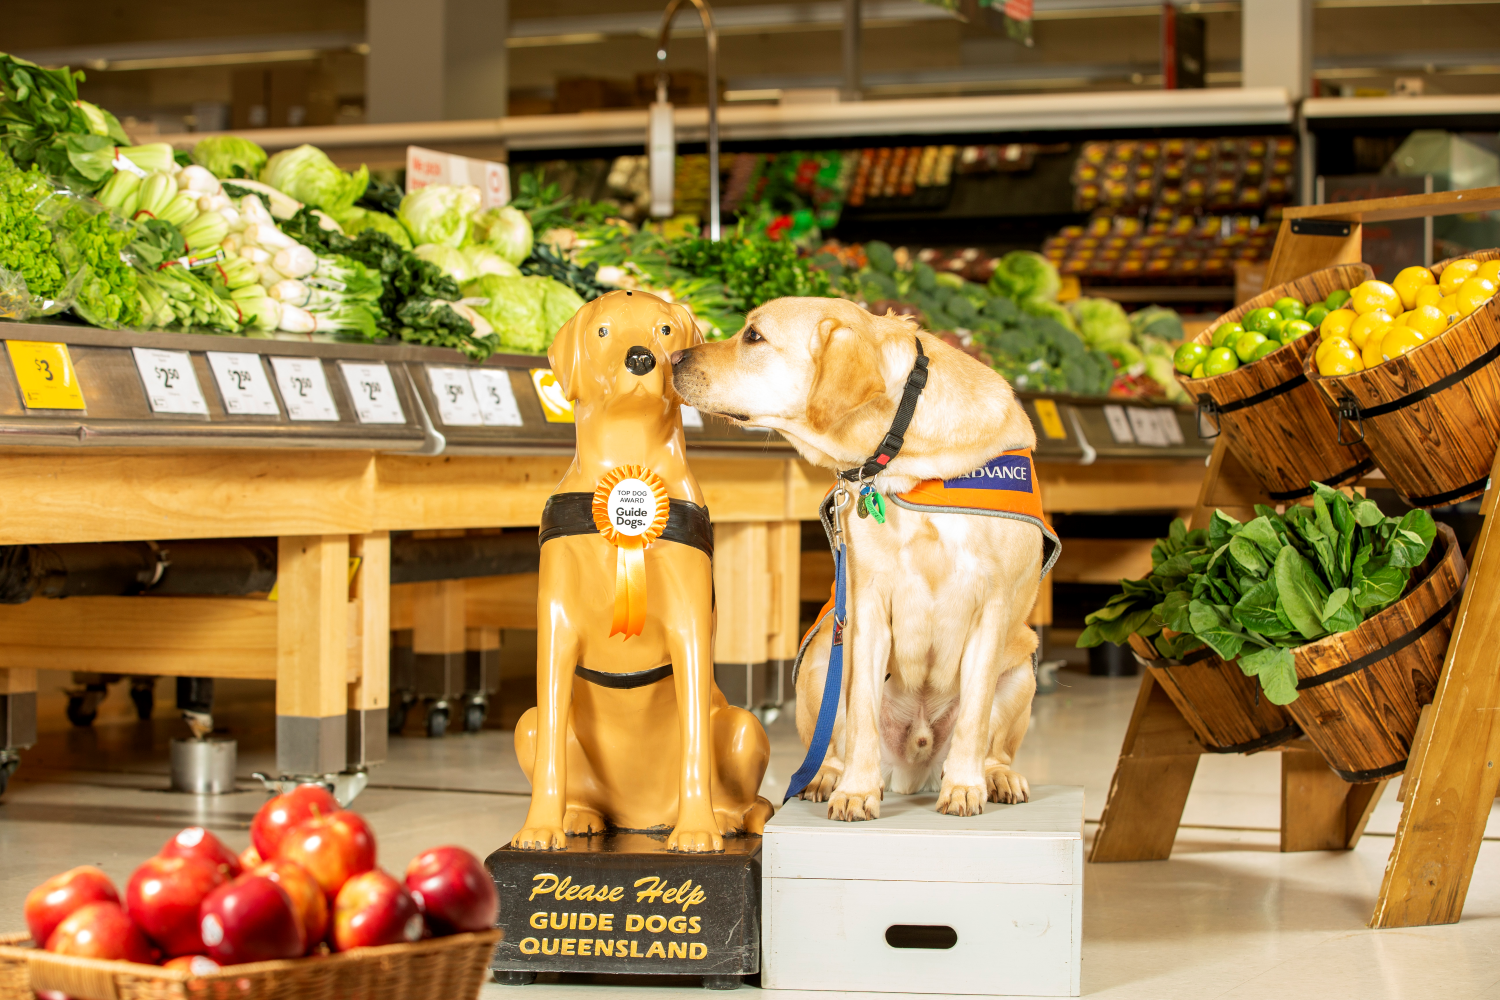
1228 916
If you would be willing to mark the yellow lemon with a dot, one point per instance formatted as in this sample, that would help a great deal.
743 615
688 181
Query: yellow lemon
1360 329
1456 274
1410 281
1371 354
1372 295
1490 269
1474 293
1340 358
1336 323
1427 320
1428 295
1329 346
1397 341
1448 304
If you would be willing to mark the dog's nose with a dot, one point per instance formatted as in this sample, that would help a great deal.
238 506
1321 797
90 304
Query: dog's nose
639 360
677 356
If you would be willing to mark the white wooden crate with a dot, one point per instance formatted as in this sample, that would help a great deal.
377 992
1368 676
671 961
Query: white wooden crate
1009 883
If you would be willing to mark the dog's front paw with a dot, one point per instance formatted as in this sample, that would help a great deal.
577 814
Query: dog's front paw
583 822
1005 785
820 788
540 838
854 806
961 800
695 841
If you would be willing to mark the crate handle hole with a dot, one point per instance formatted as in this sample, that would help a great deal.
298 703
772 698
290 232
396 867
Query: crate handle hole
935 937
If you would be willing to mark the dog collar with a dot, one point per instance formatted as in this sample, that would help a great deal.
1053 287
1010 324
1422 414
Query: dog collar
895 437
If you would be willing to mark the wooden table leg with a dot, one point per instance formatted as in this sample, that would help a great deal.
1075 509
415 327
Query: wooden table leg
1151 782
437 641
1451 780
1319 810
783 632
370 651
312 654
742 590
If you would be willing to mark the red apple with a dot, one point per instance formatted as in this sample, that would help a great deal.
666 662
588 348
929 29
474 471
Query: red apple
50 903
374 909
306 896
284 812
453 890
250 858
333 849
195 965
196 842
250 920
101 930
163 898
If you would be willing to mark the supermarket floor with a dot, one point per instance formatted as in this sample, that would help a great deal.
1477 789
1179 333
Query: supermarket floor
1227 916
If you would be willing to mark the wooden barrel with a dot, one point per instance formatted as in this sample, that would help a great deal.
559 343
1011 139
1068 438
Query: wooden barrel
1431 418
1277 424
1360 693
1226 709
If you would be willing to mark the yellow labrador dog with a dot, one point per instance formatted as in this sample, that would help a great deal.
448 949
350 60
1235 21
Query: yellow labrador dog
938 676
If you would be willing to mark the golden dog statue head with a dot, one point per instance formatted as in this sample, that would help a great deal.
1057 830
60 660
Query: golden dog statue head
619 347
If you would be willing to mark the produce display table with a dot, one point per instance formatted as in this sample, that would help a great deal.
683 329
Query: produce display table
331 491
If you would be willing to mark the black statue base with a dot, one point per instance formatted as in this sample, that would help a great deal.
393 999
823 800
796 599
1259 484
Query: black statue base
622 903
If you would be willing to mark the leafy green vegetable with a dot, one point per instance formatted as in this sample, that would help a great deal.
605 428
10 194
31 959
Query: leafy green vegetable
307 174
526 312
230 156
25 239
1026 276
755 270
91 243
43 123
505 230
356 220
439 213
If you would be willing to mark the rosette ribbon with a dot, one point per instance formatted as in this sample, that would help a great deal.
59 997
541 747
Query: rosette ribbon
630 546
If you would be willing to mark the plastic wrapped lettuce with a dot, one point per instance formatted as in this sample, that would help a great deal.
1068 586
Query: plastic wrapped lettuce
505 230
1024 276
356 220
483 260
448 260
227 156
526 312
1101 322
307 174
440 213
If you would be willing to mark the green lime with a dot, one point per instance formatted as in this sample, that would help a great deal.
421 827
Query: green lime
1294 328
1289 307
1197 372
1265 349
1244 348
1336 299
1316 314
1260 320
1226 333
1189 356
1220 360
1274 332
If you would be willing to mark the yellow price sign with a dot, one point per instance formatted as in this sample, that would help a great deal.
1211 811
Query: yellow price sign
556 407
45 373
1052 425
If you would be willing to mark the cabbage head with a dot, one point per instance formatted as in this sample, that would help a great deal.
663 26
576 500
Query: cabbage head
229 156
448 260
483 260
439 213
1024 276
356 220
526 312
504 230
1101 322
307 174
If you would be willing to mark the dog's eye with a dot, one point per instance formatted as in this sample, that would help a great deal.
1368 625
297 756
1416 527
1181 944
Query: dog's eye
666 329
752 336
604 331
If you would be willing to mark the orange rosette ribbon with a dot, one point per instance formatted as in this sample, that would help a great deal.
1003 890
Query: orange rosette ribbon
630 511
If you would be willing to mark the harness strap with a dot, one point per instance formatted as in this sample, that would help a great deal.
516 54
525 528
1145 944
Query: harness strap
624 682
573 514
833 682
895 437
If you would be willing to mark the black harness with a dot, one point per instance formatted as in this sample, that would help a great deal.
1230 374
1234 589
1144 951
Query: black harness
573 514
896 436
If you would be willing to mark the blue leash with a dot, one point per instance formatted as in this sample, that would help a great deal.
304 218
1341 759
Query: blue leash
833 680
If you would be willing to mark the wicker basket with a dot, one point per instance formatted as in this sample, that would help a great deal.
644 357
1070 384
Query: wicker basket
1431 417
1360 693
1278 425
1226 709
445 968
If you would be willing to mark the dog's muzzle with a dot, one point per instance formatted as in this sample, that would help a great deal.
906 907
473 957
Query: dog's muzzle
639 360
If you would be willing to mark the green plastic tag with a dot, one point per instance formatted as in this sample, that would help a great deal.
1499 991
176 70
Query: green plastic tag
875 504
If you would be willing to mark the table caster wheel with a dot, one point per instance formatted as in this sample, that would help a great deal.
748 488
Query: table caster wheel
507 978
145 701
437 721
78 712
721 982
8 765
474 716
395 717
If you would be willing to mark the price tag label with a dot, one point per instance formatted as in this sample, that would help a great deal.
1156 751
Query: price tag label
691 417
374 392
428 166
454 391
1170 426
497 400
555 406
243 384
1119 425
171 383
304 389
1050 419
45 374
1147 428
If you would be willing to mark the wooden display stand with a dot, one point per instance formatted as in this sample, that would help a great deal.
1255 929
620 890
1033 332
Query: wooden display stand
1450 782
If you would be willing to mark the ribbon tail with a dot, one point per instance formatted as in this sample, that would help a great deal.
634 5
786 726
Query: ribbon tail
630 591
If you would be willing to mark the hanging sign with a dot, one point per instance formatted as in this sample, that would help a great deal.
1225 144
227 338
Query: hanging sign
630 511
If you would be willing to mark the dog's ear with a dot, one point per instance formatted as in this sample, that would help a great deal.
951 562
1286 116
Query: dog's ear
846 374
691 335
566 354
